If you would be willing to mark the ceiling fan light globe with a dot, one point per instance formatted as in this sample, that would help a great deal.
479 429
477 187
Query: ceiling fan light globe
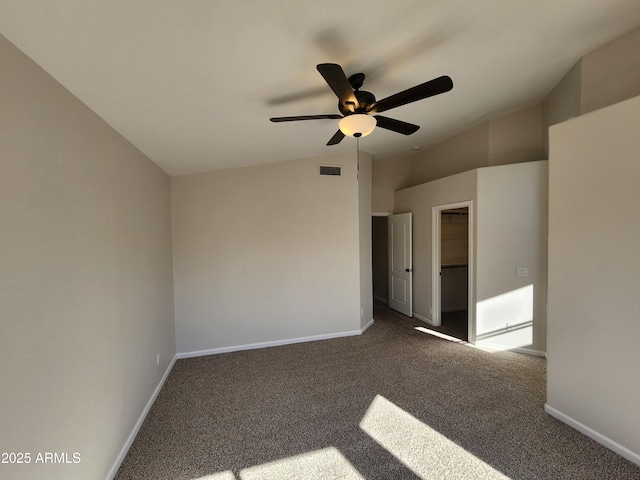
357 125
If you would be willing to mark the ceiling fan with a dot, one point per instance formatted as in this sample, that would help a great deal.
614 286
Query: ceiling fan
357 106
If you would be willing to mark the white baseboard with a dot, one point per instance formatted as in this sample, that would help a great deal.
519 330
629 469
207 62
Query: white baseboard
366 326
381 300
138 424
591 433
498 346
136 428
275 343
423 319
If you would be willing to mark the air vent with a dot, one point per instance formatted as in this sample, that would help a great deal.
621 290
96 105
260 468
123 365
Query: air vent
330 170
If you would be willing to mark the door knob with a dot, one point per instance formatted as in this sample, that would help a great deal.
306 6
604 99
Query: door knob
408 270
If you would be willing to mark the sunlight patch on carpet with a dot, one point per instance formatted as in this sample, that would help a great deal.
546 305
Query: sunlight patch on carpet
228 475
327 464
419 447
440 335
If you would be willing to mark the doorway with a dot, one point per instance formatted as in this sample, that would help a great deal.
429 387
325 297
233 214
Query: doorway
452 269
380 255
392 270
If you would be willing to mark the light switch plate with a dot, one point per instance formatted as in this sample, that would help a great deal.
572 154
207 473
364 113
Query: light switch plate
521 272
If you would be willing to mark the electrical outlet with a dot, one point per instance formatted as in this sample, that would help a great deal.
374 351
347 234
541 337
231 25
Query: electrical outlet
521 272
158 359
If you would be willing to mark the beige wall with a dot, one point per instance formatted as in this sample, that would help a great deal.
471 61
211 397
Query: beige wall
86 283
508 219
515 137
267 254
512 137
602 77
364 211
611 73
387 177
562 102
511 233
420 200
594 229
460 153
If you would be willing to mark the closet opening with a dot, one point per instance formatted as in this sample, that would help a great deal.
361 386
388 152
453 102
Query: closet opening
452 252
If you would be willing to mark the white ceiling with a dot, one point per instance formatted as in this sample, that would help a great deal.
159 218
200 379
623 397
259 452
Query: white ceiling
193 83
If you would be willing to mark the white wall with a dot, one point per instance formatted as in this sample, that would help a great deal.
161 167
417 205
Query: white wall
512 212
267 254
593 305
85 278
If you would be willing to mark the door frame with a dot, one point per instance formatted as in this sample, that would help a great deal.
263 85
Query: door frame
436 290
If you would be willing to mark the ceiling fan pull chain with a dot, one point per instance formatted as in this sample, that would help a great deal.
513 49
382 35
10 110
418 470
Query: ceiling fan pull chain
357 158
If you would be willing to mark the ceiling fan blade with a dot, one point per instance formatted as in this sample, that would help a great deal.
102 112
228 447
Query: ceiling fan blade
396 125
424 90
336 139
333 116
339 83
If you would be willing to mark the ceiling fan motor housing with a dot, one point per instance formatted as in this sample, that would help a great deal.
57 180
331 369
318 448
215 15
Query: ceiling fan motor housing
364 100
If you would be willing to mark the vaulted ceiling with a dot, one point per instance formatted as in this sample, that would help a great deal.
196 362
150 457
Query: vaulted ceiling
193 83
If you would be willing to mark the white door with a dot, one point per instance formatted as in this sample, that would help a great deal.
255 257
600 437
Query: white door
400 264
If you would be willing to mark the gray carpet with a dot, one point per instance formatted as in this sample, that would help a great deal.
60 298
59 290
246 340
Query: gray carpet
453 324
393 403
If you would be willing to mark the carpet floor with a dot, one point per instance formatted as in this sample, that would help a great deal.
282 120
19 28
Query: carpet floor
393 403
453 324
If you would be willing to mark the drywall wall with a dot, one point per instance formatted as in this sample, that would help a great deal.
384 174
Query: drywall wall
511 233
86 282
388 176
460 153
267 254
611 73
511 137
593 304
508 222
420 200
515 137
364 170
561 103
606 75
